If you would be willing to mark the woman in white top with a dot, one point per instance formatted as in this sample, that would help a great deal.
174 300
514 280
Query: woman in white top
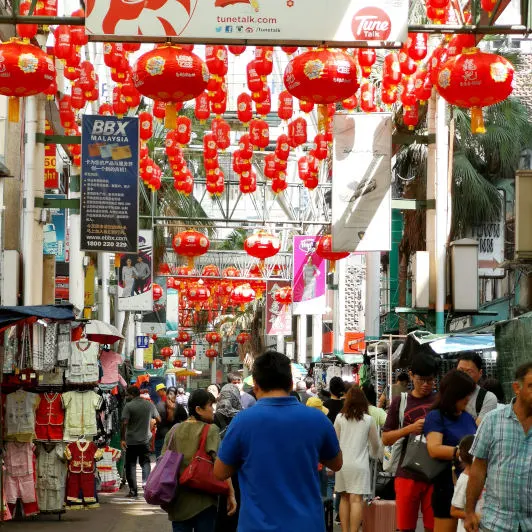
128 278
355 429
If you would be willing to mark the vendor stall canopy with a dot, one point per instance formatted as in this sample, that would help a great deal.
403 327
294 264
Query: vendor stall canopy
11 315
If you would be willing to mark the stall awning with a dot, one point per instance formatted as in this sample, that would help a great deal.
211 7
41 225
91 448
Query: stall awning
11 315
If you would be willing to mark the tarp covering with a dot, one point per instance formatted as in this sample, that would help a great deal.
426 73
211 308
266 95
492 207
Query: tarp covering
10 315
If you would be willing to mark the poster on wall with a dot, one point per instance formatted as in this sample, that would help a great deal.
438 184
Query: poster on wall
135 276
109 183
342 22
309 279
278 316
361 185
54 233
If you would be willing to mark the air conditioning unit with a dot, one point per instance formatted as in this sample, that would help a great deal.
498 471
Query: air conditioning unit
523 214
10 278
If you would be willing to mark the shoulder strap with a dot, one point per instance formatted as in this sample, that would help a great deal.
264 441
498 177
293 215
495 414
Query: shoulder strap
402 408
480 400
203 437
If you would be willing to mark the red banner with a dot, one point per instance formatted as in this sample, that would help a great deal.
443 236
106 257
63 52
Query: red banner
51 177
278 316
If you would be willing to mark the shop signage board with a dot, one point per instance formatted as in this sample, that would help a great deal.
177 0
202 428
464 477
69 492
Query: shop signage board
308 291
135 276
54 233
51 176
361 187
109 183
305 22
278 316
143 342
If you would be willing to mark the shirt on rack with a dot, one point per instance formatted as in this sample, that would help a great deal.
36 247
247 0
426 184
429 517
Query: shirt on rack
52 378
50 347
18 459
49 417
51 476
110 362
38 330
83 367
63 344
109 477
20 415
80 414
82 456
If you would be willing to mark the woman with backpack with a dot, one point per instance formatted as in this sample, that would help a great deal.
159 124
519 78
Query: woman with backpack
228 406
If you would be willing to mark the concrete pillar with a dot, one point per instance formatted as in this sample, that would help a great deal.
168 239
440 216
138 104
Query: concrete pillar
302 339
104 303
339 308
317 340
48 284
373 272
77 257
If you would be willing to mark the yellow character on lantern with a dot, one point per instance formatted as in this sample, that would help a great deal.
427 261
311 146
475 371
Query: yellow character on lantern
499 72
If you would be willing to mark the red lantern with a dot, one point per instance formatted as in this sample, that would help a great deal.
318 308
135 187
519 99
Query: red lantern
306 107
321 147
231 271
410 117
289 50
198 294
78 35
422 85
408 94
62 45
265 105
283 147
417 46
146 125
245 147
244 108
324 250
177 364
159 109
262 245
299 131
77 98
259 133
211 353
350 104
237 50
210 148
190 244
366 59
120 106
213 337
248 182
222 134
170 74
106 109
391 70
488 5
264 60
475 79
26 71
183 337
166 352
26 31
285 109
303 168
321 76
183 130
406 63
189 352
242 295
157 291
254 81
216 59
242 338
459 42
269 165
158 363
367 98
389 95
283 295
202 109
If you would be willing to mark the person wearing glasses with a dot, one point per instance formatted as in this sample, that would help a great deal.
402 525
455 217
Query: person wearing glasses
412 491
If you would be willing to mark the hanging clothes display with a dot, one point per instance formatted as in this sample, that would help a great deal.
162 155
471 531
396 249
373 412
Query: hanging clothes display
50 347
51 476
107 470
49 417
80 414
81 487
19 481
20 415
83 367
38 330
63 344
108 418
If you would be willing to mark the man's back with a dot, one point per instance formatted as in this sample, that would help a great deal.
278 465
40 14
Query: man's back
138 413
277 446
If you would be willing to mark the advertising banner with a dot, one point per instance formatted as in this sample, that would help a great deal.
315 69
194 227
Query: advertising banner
278 316
308 22
308 290
155 322
135 276
51 177
54 233
361 188
109 183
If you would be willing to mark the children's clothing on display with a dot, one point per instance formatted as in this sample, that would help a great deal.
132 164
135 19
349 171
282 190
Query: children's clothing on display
50 347
81 487
63 344
83 367
52 378
110 362
49 417
20 415
80 414
38 331
19 481
51 476
107 470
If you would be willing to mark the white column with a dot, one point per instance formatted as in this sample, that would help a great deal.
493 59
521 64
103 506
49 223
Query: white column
280 343
33 186
373 271
213 370
339 308
302 339
104 303
317 336
139 353
431 195
77 257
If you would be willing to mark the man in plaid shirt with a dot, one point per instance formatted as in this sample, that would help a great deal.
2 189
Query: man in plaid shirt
503 462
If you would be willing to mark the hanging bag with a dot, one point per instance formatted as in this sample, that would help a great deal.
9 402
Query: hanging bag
392 453
163 481
199 474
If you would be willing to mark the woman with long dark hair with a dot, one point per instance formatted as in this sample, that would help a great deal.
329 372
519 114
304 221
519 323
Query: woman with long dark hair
192 510
355 428
445 425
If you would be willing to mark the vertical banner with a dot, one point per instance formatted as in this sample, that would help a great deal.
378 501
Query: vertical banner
308 293
54 233
135 276
278 316
155 322
109 183
172 310
51 177
361 188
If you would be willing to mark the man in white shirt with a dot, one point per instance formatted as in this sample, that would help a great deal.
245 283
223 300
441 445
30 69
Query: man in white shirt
481 401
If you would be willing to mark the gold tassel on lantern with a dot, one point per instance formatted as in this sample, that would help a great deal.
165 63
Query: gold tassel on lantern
477 120
170 117
13 109
322 117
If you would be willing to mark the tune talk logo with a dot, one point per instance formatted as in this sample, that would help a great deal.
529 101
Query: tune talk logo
371 24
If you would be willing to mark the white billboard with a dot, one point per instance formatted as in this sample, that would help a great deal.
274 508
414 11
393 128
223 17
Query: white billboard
306 22
361 186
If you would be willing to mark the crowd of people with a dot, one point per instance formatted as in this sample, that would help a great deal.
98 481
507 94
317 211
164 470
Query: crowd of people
459 455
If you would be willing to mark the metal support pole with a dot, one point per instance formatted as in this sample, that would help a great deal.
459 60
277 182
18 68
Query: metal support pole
339 309
302 339
104 303
373 273
317 336
139 353
77 257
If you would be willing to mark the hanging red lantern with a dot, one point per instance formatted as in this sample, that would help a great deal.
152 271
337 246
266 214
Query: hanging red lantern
475 79
259 134
210 148
158 363
106 109
408 93
202 109
299 131
26 71
389 95
198 295
459 42
283 296
289 50
254 81
367 98
189 352
391 70
311 182
213 337
159 109
366 59
177 363
438 57
321 147
183 337
269 166
183 130
157 291
248 182
262 245
26 31
245 147
265 106
78 34
120 106
77 98
406 63
211 353
324 250
303 168
87 78
145 125
244 108
417 46
62 44
231 271
242 338
350 104
285 108
216 59
282 149
321 76
242 295
222 134
170 74
422 86
237 50
410 117
264 60
488 5
190 244
166 352
306 107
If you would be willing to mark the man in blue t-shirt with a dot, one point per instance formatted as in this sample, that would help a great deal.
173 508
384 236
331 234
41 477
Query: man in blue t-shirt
276 447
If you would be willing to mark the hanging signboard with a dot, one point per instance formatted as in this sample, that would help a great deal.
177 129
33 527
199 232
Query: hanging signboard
54 233
361 188
109 183
51 176
135 276
308 291
307 22
278 316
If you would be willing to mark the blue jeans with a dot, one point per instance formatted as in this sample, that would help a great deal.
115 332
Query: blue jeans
203 522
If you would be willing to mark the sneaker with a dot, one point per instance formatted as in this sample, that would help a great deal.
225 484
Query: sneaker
132 495
337 519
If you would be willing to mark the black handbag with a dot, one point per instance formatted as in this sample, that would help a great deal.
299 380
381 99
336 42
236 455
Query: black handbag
418 460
